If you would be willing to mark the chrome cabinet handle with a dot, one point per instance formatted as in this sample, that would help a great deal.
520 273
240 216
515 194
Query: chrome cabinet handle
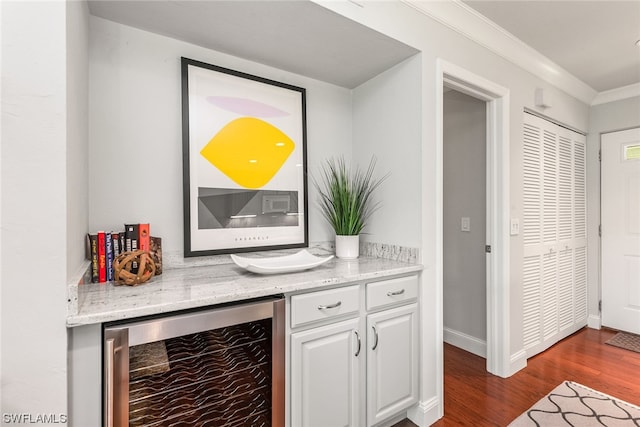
359 343
326 307
375 336
110 361
394 293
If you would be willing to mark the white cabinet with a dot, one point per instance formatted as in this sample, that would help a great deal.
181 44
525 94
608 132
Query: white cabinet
392 362
349 364
325 375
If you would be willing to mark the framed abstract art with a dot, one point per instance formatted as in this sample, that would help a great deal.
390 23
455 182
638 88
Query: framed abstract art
244 162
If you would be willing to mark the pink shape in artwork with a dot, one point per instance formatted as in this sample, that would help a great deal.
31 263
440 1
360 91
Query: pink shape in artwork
246 107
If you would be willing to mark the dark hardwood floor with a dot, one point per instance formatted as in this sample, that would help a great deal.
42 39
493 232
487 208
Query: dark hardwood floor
474 397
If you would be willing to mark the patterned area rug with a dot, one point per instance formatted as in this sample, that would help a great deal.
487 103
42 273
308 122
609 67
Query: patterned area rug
572 404
626 341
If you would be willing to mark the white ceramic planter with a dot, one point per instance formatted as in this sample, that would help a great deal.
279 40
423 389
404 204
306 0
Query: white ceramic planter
347 247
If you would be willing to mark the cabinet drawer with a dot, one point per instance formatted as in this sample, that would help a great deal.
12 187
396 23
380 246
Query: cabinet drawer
322 305
387 292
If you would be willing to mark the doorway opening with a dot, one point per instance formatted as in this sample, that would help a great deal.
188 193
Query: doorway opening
498 358
464 222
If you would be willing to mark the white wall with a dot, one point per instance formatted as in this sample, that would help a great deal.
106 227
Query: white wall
34 208
387 123
603 118
77 132
79 382
135 143
464 279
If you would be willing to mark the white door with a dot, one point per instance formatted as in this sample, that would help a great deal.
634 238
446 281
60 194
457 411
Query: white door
620 170
554 234
325 376
392 362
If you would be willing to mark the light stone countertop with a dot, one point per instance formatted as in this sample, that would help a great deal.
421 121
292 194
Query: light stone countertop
199 286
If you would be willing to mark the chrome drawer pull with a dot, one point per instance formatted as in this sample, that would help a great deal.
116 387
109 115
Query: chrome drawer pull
375 335
326 307
394 293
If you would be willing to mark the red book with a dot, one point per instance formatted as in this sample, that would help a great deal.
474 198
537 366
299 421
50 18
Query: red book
144 242
102 258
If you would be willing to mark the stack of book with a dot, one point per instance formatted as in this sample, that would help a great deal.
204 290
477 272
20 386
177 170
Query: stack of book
103 248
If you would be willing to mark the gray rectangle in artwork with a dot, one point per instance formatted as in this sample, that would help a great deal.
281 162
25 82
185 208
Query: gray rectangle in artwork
237 208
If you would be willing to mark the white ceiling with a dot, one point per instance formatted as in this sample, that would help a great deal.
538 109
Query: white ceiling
297 36
593 40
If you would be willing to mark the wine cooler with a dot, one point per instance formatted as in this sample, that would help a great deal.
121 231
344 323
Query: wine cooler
215 367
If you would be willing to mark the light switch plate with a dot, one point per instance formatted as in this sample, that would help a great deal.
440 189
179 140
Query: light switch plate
515 226
465 224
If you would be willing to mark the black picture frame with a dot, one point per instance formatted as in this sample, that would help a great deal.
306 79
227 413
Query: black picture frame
244 146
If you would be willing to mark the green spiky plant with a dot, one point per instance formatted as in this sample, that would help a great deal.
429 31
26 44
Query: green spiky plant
346 195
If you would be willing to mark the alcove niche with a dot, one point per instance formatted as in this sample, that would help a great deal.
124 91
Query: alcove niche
357 84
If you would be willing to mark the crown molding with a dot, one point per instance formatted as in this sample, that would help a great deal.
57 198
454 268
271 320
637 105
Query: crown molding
471 24
618 94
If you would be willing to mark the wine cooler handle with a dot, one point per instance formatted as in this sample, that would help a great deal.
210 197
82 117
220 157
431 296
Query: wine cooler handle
110 372
375 335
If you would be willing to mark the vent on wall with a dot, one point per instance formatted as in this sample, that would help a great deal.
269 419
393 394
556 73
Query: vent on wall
542 99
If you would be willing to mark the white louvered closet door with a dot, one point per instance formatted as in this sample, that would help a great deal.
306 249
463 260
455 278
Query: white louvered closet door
554 233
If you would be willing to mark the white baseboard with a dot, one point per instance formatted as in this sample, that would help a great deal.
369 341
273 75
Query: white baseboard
426 413
594 321
465 342
518 361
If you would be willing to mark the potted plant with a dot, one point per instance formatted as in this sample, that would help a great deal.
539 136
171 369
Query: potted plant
346 201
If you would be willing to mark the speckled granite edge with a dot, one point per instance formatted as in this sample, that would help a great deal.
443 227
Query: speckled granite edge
83 275
186 288
176 260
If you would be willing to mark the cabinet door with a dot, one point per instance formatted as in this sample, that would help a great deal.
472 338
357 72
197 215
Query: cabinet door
325 375
392 362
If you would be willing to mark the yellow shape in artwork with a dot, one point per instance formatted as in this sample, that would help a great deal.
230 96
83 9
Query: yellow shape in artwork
249 151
